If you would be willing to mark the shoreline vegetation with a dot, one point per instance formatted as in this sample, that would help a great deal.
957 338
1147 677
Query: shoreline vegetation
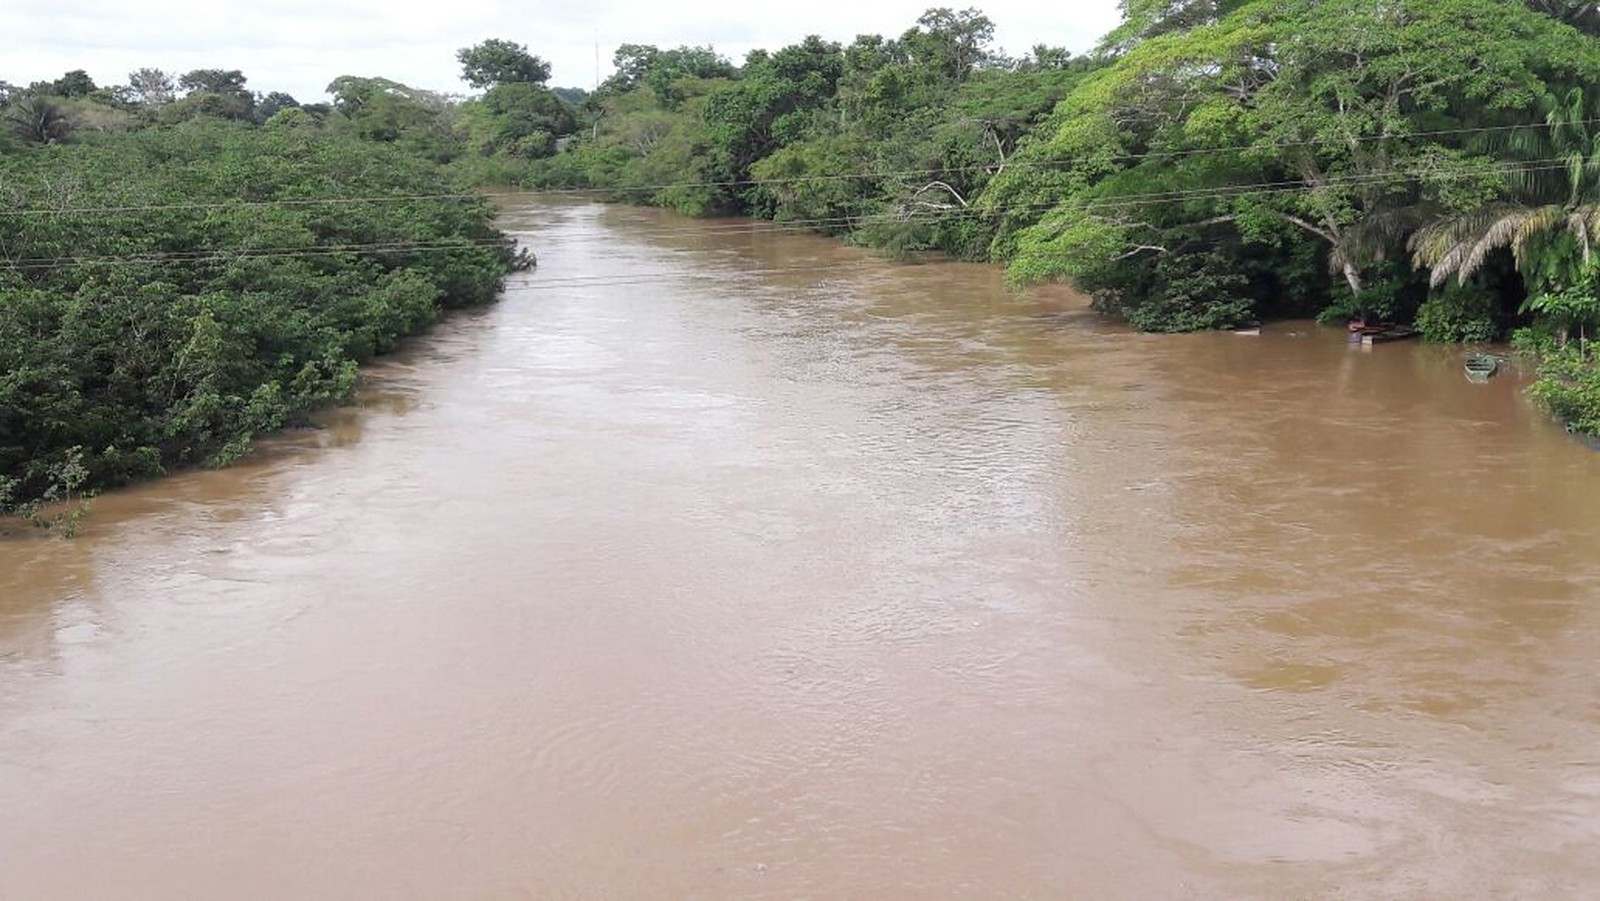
186 263
171 293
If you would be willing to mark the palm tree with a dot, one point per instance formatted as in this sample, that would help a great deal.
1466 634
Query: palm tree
1553 186
38 119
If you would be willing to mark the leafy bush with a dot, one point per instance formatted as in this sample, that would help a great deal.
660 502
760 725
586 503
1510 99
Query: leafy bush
1569 387
1458 314
1187 292
1536 340
1571 309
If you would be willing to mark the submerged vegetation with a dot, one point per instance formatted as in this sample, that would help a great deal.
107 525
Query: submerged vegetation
186 263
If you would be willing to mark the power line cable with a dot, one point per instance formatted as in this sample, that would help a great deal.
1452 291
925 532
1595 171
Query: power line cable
1090 206
798 179
154 259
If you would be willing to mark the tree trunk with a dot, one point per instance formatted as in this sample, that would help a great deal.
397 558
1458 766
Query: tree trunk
1353 276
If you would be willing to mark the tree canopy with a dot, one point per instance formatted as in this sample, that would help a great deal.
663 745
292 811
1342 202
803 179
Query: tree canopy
497 62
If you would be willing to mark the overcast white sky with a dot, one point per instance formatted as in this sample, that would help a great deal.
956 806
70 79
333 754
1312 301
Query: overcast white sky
300 45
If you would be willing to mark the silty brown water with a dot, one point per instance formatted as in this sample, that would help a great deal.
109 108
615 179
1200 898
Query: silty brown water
722 562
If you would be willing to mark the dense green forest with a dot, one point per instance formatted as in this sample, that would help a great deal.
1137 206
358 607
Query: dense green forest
186 263
180 275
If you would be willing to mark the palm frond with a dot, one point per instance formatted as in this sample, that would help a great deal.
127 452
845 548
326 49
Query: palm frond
1503 232
1448 264
1446 245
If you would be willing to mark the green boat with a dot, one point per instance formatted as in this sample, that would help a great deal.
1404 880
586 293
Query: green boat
1480 366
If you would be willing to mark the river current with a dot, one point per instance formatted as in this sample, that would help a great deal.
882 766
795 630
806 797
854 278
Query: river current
719 561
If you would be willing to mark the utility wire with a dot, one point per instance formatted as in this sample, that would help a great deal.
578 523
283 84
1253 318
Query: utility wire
153 259
753 182
1090 207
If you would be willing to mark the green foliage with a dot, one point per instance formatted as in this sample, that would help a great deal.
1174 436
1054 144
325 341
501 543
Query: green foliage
1569 387
172 334
664 72
950 42
378 109
1580 14
517 120
1534 340
1569 370
812 182
76 83
1549 212
274 102
498 62
1392 292
220 93
1181 292
62 505
150 88
588 165
1572 308
1459 314
778 101
1288 130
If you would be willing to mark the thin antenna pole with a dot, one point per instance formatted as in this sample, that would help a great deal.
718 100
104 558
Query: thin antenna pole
596 135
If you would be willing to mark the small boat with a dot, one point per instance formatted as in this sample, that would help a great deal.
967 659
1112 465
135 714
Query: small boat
1363 332
1393 333
1480 367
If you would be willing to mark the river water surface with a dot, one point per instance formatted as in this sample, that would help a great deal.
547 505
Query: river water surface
721 562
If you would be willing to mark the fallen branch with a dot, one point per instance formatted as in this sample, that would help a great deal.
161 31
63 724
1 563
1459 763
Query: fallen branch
914 199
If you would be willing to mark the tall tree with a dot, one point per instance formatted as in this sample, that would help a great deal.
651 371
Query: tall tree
151 87
213 92
496 62
272 102
953 42
1145 19
215 81
352 92
1338 102
76 83
776 103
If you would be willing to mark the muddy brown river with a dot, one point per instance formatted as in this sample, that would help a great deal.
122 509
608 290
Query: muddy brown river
719 562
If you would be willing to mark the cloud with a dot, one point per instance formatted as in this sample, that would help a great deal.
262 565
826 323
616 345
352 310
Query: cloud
300 45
